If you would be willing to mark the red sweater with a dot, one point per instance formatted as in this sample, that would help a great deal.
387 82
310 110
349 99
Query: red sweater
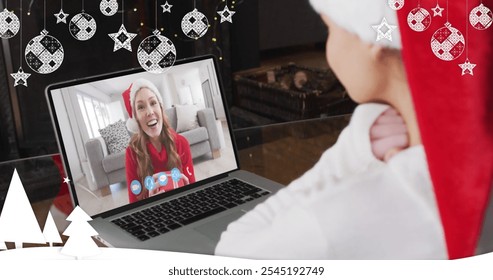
159 162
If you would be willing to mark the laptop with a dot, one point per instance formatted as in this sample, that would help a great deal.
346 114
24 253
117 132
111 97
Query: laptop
188 217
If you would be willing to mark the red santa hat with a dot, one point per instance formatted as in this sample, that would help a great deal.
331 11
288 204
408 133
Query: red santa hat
129 100
454 107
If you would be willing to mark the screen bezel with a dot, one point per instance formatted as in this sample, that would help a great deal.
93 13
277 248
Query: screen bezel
117 74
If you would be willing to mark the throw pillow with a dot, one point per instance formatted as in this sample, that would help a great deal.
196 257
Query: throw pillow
116 137
186 117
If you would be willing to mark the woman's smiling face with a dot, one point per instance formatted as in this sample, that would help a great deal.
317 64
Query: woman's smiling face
149 113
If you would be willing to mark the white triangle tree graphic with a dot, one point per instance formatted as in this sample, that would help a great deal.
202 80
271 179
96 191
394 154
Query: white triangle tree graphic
18 223
80 244
50 231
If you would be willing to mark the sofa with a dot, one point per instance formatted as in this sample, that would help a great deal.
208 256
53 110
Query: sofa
109 169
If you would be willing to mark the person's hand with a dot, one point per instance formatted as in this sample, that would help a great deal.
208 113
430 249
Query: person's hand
157 187
388 135
185 178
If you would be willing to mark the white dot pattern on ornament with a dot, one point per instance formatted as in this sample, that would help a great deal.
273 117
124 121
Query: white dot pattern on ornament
82 27
419 19
396 4
447 43
194 24
9 24
153 50
108 8
44 54
481 17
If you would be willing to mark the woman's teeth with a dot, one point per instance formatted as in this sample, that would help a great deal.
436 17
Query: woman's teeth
152 123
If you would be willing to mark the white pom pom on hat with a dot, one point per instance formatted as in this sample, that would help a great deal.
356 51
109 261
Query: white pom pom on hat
358 17
129 99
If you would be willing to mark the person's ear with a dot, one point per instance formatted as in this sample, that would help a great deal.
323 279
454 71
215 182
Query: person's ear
376 51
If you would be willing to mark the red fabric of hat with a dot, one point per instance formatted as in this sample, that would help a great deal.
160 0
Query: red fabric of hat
126 100
455 115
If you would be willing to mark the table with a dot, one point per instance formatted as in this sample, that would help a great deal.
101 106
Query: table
280 152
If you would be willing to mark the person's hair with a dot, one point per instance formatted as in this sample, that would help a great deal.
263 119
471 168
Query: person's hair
138 143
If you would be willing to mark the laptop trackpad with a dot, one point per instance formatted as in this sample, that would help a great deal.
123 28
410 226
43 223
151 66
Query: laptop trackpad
214 228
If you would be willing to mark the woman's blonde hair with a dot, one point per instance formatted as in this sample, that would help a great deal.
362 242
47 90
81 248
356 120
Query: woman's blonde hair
138 143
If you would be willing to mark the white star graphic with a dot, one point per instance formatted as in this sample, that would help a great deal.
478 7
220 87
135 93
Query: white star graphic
384 30
20 77
226 14
66 180
437 11
467 67
61 17
166 7
122 39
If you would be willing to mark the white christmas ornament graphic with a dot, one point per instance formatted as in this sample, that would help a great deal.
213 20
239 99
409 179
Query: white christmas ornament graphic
481 17
122 38
108 7
80 243
50 231
384 30
419 19
166 7
82 26
194 24
20 78
9 24
44 53
156 53
396 4
61 17
447 43
467 67
18 223
226 14
437 11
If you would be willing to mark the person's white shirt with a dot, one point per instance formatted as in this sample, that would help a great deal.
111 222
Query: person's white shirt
350 205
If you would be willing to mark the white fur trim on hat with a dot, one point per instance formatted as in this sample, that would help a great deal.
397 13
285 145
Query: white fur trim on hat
358 17
131 123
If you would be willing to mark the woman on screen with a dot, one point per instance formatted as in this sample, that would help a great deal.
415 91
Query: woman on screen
157 157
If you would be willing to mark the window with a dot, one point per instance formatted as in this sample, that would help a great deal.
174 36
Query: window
94 113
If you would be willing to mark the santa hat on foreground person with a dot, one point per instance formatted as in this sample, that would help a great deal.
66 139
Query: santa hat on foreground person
453 101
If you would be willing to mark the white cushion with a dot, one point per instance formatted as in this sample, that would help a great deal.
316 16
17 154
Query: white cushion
186 118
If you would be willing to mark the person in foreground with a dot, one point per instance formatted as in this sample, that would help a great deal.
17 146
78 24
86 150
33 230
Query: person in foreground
352 204
154 147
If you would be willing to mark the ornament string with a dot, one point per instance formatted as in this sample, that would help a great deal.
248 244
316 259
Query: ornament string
20 35
467 30
123 12
447 11
44 15
82 5
155 15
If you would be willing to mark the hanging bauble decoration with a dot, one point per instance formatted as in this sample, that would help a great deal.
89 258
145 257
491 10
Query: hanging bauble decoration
447 43
9 24
481 17
194 24
108 7
156 53
44 53
419 19
82 26
396 4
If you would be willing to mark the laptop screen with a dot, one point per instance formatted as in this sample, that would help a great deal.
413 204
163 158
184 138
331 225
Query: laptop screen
186 142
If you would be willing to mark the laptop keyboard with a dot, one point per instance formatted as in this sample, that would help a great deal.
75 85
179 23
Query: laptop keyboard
173 214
